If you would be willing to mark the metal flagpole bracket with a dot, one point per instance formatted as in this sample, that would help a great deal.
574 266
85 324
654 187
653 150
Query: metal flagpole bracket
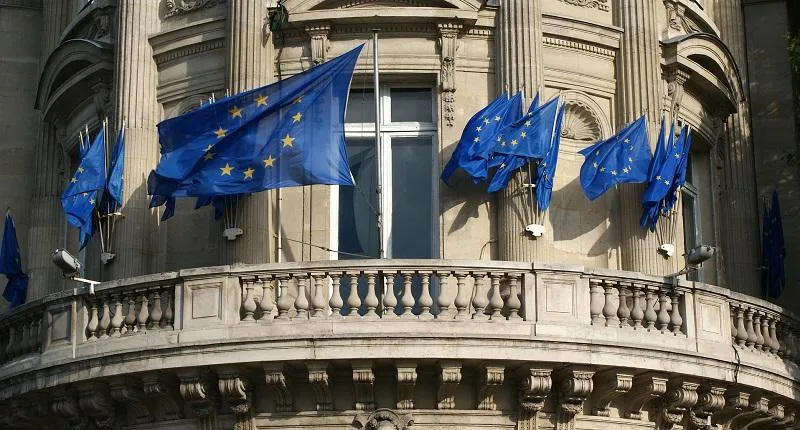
536 230
667 250
232 233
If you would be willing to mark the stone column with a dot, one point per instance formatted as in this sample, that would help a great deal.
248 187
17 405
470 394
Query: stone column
56 15
520 68
740 216
136 79
250 65
639 91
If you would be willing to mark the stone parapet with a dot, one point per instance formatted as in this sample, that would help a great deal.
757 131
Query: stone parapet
596 347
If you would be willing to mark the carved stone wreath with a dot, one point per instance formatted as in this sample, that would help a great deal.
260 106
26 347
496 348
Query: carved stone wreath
383 419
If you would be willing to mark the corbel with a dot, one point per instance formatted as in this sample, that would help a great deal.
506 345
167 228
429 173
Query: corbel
609 385
277 378
449 378
490 378
320 382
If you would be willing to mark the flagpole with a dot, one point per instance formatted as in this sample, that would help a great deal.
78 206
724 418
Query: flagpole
379 149
279 236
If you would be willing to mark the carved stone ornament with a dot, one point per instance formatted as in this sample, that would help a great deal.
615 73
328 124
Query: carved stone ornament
318 33
180 7
448 46
449 378
601 5
383 419
580 123
681 396
677 23
95 401
162 390
65 405
489 379
406 382
363 381
277 379
675 84
574 387
319 379
236 390
645 388
199 392
710 400
608 386
97 26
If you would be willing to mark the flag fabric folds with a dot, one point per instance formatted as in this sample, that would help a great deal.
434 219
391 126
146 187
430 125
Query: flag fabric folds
478 134
622 158
531 136
85 187
113 194
290 133
17 287
773 252
662 189
507 163
546 171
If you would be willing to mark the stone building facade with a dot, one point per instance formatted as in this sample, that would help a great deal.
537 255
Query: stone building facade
469 323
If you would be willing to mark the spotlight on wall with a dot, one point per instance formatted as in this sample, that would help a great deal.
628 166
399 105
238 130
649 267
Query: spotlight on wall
694 260
70 267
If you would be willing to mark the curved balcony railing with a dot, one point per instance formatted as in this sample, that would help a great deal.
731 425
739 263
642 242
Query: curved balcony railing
560 303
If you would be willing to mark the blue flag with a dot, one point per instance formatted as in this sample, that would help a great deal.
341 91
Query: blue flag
661 147
657 192
11 261
546 171
505 171
290 133
113 194
532 134
774 251
85 187
622 158
680 174
512 116
478 133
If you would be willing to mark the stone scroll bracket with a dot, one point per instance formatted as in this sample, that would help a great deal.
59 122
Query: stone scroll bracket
608 386
490 378
675 89
65 405
320 45
575 384
277 378
128 393
163 391
236 391
645 388
680 398
198 388
95 401
319 379
364 382
534 388
449 378
406 383
448 47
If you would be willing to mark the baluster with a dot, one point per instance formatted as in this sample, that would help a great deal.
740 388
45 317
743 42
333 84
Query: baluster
25 340
495 299
144 313
267 302
773 336
650 315
741 330
371 299
318 299
514 302
445 300
624 312
36 334
12 342
94 321
156 313
248 302
117 320
425 299
336 301
105 320
408 299
783 349
168 319
734 331
30 326
597 302
663 313
759 344
676 321
481 300
389 299
766 345
130 319
748 323
284 301
637 313
353 301
611 305
462 297
301 302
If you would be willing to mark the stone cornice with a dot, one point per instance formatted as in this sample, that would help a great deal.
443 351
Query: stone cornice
580 46
202 36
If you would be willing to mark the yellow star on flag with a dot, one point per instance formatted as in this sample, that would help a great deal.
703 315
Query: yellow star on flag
236 112
287 141
74 180
80 169
208 156
497 118
298 100
527 123
269 161
486 121
220 133
91 201
261 101
297 117
523 135
478 128
226 170
248 173
513 142
477 139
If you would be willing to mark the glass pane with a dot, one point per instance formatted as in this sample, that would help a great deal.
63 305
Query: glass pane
689 176
412 198
689 206
358 224
361 106
412 105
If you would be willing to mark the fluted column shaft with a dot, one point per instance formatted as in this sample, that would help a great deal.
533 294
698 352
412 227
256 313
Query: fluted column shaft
740 211
136 79
46 220
521 68
56 16
638 92
250 65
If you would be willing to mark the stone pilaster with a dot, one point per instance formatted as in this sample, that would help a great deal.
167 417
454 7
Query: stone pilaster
639 90
136 79
519 69
56 15
46 221
250 65
740 222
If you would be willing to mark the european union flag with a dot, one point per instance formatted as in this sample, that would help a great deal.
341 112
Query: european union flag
507 163
479 132
532 134
11 261
774 251
113 194
85 186
657 192
622 158
680 174
546 171
286 134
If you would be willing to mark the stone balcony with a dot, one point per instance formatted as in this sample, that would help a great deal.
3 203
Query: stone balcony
458 344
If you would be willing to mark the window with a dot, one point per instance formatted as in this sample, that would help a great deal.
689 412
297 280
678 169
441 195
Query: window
691 215
408 159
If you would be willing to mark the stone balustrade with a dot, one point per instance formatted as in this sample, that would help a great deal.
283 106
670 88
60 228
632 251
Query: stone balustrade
637 337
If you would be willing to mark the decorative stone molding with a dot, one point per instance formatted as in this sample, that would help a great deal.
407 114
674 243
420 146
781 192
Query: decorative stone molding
406 382
736 401
711 398
383 419
758 408
601 5
182 7
608 386
186 51
65 405
533 391
26 4
580 123
449 378
97 26
448 47
574 387
348 4
363 380
128 393
162 390
579 46
95 402
681 396
318 32
320 383
277 378
646 387
489 379
198 389
675 84
236 390
677 22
